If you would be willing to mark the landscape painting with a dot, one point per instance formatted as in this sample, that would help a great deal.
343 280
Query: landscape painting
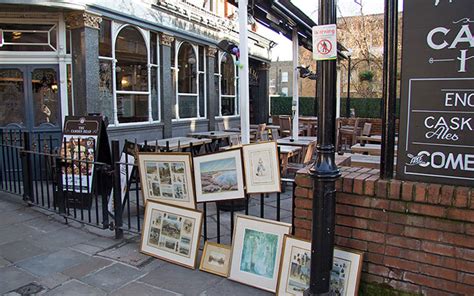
216 258
219 176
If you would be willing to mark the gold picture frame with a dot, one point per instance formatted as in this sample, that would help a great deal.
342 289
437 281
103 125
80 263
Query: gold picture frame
171 233
294 274
216 258
167 178
256 251
261 167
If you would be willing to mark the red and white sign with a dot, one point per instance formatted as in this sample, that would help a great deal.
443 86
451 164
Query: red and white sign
324 42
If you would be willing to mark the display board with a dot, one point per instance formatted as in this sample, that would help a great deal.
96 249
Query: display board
436 139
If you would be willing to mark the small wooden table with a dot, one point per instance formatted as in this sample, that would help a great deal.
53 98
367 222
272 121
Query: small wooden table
372 139
302 141
176 143
216 136
370 149
286 152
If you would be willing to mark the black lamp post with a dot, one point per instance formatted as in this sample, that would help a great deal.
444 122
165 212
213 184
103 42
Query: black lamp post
325 171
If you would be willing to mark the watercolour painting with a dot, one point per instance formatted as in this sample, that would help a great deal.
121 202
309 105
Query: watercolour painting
262 169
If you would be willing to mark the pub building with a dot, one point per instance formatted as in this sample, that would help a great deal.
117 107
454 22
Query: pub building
152 67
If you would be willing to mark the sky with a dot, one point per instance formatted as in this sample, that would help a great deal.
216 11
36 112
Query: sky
283 50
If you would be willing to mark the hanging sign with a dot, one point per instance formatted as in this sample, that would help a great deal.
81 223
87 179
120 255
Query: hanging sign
324 42
436 140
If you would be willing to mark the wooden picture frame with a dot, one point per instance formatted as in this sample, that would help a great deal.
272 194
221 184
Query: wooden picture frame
167 178
216 258
294 273
256 251
171 233
219 176
261 167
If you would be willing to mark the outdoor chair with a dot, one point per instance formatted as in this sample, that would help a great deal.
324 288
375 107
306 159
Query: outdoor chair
305 159
234 140
220 126
366 129
276 119
347 132
275 135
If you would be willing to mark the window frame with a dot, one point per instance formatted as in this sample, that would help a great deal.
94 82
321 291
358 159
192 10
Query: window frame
236 87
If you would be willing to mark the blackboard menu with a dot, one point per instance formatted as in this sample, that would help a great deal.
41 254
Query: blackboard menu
436 139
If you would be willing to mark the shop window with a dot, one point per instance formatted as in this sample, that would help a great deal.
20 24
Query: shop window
29 37
12 96
45 90
105 38
154 77
228 85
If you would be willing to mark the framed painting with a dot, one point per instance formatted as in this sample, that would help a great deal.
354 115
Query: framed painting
256 251
261 167
295 269
219 176
171 233
216 258
167 178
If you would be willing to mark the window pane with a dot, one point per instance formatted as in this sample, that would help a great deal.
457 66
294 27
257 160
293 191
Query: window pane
173 98
202 98
187 69
53 37
106 97
45 91
12 97
228 106
154 94
132 108
228 75
201 58
153 49
131 55
105 38
68 41
27 37
187 106
70 99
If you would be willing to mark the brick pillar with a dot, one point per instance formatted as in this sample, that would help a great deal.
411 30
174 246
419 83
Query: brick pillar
166 41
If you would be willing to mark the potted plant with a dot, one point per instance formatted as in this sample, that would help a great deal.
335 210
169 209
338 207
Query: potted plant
366 75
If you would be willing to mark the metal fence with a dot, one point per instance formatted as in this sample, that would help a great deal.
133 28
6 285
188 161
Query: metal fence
37 168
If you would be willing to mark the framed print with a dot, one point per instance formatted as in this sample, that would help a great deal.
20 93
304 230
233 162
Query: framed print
294 273
262 167
171 233
256 251
216 258
219 176
167 178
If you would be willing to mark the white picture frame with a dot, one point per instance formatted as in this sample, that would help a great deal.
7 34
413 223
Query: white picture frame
256 251
219 176
261 167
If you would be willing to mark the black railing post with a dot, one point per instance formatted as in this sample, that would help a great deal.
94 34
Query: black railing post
117 190
325 171
389 88
60 195
26 169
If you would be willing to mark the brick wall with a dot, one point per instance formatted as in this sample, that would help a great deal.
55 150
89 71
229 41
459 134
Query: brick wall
417 237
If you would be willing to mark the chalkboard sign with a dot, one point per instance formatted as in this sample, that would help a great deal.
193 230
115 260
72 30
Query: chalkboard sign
436 141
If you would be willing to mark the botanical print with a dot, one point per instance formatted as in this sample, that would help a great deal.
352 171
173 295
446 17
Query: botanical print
171 233
166 180
260 164
299 271
259 253
339 276
77 176
219 176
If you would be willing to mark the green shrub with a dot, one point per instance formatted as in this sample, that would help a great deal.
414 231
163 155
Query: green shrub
282 106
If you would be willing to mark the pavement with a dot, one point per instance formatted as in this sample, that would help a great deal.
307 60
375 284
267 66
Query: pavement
41 255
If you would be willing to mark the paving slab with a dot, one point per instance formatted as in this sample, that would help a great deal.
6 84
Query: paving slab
11 233
19 250
18 216
12 278
112 277
53 280
62 238
45 265
46 224
9 206
142 289
181 280
128 253
86 267
4 262
75 288
228 287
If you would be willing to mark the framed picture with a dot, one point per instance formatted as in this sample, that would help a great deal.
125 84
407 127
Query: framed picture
256 251
167 177
295 269
171 233
261 167
216 258
219 176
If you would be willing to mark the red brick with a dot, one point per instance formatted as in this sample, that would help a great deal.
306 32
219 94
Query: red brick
348 182
466 254
359 183
351 243
343 231
395 189
374 258
301 192
377 226
300 223
395 274
438 248
465 289
405 286
394 251
447 193
304 214
466 278
379 215
458 239
304 180
422 233
460 214
303 203
400 263
369 188
469 228
429 210
378 269
420 192
403 242
352 199
433 292
430 282
433 194
395 229
368 235
398 206
362 212
464 265
445 225
407 191
344 209
376 248
302 233
364 170
382 204
381 188
351 221
461 197
338 185
370 278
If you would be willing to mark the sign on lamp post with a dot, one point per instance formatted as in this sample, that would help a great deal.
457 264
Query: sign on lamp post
324 42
